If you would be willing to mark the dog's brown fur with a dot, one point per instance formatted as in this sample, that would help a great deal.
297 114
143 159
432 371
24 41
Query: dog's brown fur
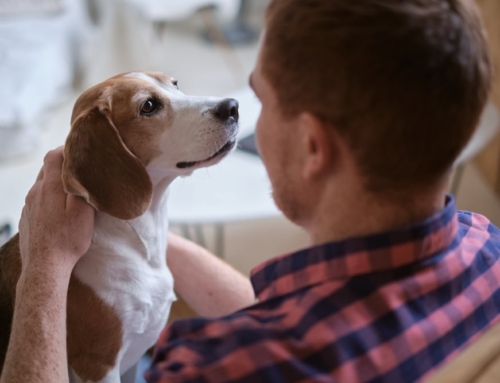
94 338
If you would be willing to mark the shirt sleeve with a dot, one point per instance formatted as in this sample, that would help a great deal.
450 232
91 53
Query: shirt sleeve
201 350
238 349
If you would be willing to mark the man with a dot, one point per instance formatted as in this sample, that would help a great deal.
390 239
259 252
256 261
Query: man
366 105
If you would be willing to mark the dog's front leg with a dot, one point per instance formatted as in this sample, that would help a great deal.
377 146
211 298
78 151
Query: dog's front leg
112 377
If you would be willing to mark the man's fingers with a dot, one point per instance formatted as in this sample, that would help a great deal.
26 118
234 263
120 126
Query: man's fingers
53 162
52 170
40 175
23 222
78 203
83 215
33 192
23 216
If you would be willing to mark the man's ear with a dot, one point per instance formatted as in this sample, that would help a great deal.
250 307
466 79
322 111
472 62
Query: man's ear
100 168
319 146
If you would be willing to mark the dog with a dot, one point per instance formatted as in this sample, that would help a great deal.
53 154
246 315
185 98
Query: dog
130 137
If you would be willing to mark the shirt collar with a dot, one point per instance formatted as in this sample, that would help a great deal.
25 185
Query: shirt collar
356 256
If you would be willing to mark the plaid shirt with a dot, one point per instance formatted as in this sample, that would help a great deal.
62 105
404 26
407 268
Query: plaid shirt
384 308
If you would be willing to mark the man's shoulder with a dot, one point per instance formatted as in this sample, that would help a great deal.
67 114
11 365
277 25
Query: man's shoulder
477 236
471 224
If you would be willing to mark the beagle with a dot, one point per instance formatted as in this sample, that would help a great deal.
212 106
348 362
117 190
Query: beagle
130 137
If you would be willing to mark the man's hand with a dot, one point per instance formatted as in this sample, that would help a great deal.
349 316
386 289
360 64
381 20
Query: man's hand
56 228
55 232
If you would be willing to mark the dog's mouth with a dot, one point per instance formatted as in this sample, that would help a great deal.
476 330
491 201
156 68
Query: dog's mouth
222 151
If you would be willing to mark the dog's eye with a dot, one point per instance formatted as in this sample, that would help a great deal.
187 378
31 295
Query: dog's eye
149 107
175 82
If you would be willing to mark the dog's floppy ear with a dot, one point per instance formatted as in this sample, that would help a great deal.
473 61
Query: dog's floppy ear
100 168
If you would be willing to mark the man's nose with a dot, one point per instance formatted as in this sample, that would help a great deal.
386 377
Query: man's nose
227 109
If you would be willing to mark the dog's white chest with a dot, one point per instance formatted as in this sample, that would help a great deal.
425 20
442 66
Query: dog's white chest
126 267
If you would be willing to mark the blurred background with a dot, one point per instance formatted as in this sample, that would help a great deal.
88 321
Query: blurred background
52 50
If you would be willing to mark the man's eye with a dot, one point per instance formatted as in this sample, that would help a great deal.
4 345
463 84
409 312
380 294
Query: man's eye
149 107
175 82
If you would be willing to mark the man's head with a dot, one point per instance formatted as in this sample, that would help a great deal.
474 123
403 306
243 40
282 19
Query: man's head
398 85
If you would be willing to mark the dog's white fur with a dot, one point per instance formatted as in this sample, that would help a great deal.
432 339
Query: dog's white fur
126 263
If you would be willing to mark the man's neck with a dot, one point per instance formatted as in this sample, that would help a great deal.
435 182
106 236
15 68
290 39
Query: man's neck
343 214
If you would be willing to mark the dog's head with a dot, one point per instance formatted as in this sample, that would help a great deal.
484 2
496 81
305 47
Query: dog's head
137 124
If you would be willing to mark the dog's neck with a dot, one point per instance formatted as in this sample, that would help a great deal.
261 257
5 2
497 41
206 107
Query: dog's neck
151 228
161 182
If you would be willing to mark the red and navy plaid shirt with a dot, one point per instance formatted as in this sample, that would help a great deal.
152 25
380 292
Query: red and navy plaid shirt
383 308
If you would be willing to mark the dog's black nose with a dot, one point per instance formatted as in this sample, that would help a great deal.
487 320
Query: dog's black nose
226 109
